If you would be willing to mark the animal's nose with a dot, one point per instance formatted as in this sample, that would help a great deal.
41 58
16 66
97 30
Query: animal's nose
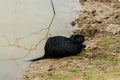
84 46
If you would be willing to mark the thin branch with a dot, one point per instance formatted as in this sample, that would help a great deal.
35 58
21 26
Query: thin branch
53 7
48 27
29 50
31 34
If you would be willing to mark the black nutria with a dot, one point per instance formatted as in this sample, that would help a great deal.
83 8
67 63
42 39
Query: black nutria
60 46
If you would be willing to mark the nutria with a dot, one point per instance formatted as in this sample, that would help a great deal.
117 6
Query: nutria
60 46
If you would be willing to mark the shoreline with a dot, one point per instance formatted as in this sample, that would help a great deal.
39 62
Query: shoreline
99 22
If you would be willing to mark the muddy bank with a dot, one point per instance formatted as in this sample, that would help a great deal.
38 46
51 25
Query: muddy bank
99 22
99 18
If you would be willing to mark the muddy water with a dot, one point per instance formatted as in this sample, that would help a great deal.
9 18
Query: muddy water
23 31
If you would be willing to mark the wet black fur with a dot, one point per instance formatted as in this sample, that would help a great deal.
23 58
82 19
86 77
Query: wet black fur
59 46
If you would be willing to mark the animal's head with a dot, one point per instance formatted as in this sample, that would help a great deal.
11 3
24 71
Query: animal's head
77 38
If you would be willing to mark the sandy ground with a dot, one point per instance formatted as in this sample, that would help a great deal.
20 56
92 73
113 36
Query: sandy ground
99 22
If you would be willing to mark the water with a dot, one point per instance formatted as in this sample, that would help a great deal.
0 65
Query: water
23 28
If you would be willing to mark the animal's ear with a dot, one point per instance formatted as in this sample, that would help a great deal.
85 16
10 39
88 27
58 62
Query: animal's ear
72 37
77 37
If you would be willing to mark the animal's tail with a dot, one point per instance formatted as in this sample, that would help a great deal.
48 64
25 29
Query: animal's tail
39 58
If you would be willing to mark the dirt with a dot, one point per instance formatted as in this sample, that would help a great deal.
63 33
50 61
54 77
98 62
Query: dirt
99 22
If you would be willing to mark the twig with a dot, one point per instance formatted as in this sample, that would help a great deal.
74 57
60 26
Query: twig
47 34
53 7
